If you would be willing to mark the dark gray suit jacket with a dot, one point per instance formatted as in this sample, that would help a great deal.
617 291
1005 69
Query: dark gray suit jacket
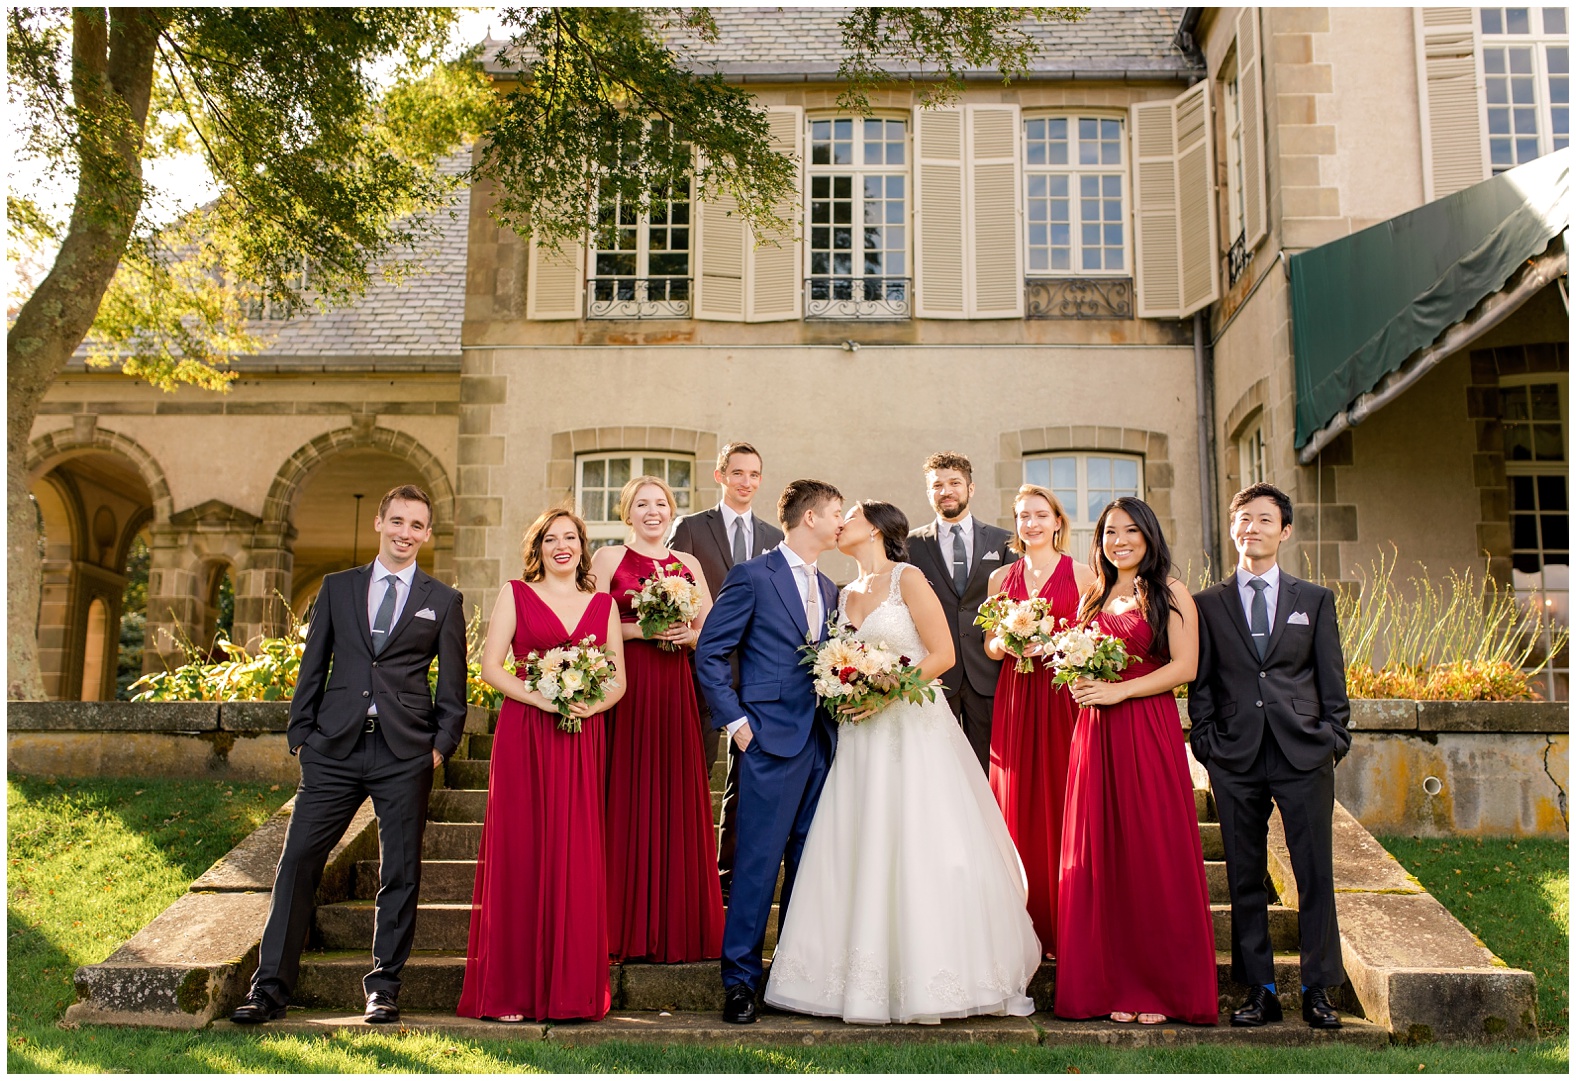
1298 689
968 640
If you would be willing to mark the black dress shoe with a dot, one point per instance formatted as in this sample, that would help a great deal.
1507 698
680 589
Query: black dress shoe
738 1005
1317 1011
381 1009
256 1010
1261 1008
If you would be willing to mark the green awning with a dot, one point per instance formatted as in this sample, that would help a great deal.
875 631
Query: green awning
1363 304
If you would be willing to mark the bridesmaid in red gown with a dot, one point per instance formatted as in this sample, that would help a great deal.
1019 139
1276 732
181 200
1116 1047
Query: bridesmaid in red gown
1032 724
538 939
1138 943
664 902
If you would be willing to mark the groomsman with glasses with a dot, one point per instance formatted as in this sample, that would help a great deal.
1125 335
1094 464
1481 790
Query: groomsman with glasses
957 553
1269 713
727 534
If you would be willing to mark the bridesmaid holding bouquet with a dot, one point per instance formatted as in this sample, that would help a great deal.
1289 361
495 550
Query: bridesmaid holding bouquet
664 897
538 938
1032 726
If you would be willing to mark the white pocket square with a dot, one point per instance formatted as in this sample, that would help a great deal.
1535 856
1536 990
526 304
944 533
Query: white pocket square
1299 618
428 613
988 556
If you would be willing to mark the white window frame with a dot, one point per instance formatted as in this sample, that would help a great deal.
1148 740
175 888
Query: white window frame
1236 183
1074 170
1543 106
606 527
896 291
1039 468
1540 588
1251 454
606 300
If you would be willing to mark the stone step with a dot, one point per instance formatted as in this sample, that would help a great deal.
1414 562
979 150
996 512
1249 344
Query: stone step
1283 927
451 840
452 881
1209 835
463 773
331 980
457 805
1204 804
478 746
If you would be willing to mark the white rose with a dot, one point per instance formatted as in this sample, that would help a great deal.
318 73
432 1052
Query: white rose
572 681
548 688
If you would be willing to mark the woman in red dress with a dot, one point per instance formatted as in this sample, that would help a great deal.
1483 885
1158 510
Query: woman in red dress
664 902
1138 942
538 939
1032 724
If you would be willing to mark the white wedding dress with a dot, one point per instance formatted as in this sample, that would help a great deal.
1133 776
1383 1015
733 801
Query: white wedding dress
909 901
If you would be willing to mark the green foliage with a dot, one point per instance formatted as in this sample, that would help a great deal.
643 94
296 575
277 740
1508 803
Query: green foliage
133 617
1514 894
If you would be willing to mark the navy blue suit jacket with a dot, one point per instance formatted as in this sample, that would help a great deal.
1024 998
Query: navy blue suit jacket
759 618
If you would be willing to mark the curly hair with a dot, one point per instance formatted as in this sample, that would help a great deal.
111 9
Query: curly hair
531 548
950 459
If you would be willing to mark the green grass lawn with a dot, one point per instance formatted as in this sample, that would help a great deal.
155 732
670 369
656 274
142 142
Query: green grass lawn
92 861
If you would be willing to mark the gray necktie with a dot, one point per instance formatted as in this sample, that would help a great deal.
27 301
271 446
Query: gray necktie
385 619
1259 618
960 560
740 551
811 609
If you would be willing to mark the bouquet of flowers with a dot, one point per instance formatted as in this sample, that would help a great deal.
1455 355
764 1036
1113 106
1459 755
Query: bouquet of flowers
569 673
1086 652
1019 624
850 672
668 597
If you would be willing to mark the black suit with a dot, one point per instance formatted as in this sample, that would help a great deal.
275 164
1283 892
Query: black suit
705 536
1274 729
342 763
971 681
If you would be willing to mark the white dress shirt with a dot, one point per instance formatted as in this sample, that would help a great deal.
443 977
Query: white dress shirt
944 538
375 591
729 516
1245 591
794 564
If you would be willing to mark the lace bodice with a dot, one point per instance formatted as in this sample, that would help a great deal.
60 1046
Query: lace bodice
890 623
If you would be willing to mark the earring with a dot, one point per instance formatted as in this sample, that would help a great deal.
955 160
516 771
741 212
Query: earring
872 535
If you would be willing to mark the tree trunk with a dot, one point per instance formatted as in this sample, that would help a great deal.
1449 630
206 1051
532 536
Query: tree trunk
112 56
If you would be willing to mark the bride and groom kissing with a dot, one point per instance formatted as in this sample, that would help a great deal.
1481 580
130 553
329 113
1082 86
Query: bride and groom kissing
908 902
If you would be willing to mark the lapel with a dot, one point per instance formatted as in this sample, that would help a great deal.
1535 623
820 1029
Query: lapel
979 550
1232 599
828 604
359 590
420 586
788 590
932 537
1283 608
758 538
719 533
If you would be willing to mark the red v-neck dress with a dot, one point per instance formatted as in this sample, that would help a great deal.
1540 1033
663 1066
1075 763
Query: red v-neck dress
664 902
538 938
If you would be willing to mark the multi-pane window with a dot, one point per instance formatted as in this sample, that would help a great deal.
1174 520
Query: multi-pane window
858 249
643 271
1236 182
1526 83
1075 183
599 478
1250 455
1533 410
1085 483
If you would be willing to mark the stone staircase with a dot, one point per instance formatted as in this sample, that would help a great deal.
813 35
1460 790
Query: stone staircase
338 954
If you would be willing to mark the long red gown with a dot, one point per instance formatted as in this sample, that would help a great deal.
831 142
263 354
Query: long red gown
538 939
1134 905
1031 734
664 902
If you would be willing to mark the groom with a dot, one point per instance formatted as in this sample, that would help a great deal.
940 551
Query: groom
768 609
1269 715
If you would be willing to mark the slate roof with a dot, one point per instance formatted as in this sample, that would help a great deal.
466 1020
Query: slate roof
777 44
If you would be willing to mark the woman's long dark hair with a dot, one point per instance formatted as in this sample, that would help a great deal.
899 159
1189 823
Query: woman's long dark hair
1153 585
891 523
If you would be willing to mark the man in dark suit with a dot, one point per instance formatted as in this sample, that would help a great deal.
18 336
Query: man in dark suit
1269 715
364 723
727 534
957 553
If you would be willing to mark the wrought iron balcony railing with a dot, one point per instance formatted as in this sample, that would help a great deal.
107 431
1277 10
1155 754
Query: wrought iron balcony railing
1078 298
638 298
852 297
1237 259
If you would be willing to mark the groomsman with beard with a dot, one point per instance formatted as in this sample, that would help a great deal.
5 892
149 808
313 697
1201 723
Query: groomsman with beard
727 534
957 553
1269 713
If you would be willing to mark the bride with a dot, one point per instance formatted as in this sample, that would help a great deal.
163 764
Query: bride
909 903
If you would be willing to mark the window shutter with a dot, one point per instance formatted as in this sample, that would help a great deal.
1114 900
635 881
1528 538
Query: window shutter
939 214
1174 205
554 281
719 245
1450 100
1199 272
773 270
994 248
1156 262
1250 84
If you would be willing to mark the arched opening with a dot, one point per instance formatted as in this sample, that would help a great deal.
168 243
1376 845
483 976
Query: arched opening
91 504
133 616
218 610
333 515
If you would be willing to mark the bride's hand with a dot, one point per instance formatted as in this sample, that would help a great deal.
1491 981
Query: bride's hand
854 714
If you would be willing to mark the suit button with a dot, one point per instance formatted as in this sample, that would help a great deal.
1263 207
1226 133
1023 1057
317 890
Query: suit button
1259 704
368 694
1262 675
375 664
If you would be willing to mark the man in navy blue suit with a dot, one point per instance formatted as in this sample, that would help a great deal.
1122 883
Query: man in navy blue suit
768 609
